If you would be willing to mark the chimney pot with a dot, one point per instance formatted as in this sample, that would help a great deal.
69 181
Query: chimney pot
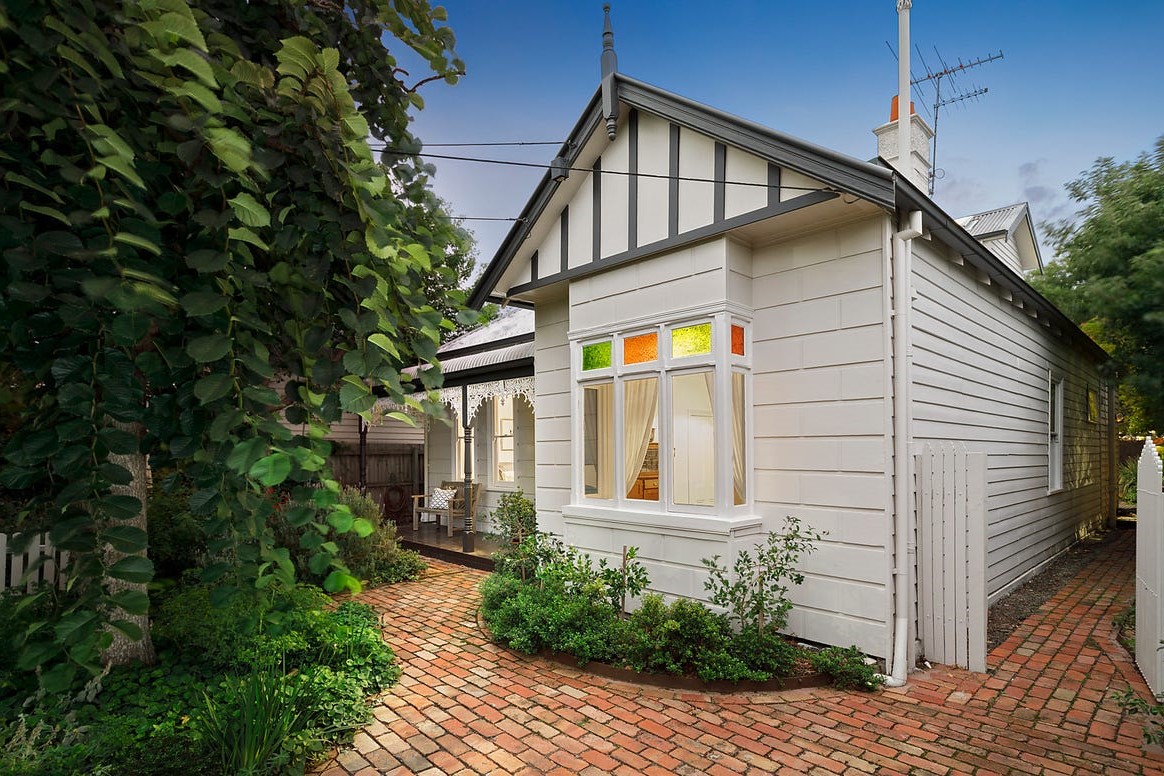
893 108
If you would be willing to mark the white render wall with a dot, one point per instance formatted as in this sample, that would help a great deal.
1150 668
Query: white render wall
980 374
821 447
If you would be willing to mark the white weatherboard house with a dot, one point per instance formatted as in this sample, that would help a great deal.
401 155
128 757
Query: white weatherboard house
732 325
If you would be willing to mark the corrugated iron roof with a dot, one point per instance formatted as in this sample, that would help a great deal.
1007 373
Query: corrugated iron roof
486 358
1000 219
510 322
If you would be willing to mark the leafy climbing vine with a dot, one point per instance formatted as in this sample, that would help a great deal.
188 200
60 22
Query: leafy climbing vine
204 262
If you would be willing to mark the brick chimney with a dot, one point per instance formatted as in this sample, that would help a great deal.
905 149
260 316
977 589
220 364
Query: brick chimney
920 136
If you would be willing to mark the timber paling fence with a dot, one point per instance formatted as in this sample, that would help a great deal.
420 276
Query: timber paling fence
39 563
1150 568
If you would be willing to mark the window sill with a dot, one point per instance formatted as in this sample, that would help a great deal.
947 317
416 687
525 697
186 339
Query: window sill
663 522
503 486
1056 491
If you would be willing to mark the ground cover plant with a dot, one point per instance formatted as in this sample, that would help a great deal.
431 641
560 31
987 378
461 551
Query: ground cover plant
544 595
234 691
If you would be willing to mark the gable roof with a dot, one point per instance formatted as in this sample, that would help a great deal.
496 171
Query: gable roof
841 173
875 182
1013 224
994 222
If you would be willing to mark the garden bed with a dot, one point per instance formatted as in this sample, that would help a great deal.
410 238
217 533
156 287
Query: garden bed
804 677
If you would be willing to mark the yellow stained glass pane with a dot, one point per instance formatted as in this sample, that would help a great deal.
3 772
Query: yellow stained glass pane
640 348
596 356
737 340
691 340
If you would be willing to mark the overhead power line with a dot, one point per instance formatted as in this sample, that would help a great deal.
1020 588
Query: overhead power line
496 143
627 173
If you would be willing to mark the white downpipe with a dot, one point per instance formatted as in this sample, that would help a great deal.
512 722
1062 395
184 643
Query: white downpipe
902 355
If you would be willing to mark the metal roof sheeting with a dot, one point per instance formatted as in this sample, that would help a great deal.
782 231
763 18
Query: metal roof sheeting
510 322
488 358
1000 219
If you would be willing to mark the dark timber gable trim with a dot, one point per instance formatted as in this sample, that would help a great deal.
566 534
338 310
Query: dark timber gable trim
868 181
689 237
673 183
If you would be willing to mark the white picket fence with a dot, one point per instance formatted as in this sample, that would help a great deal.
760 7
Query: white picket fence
15 566
1150 567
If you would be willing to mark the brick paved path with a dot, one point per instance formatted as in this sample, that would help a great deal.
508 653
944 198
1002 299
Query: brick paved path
467 706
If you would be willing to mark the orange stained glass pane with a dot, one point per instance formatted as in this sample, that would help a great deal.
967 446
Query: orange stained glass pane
737 340
640 348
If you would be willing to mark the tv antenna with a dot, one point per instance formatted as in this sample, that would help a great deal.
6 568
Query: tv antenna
949 73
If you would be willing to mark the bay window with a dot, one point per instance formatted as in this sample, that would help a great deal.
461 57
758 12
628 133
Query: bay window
664 416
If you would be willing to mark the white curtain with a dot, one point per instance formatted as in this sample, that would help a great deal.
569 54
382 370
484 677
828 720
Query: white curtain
739 441
640 405
606 441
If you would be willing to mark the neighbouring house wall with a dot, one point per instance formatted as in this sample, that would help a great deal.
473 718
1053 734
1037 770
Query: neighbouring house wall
552 436
980 376
821 446
1005 249
390 432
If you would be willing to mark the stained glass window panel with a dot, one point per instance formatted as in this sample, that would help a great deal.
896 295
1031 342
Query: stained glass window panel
597 355
640 348
691 340
737 340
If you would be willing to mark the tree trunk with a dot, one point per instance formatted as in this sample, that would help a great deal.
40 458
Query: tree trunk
125 650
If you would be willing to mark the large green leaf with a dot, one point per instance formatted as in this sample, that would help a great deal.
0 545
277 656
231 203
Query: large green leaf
125 538
213 387
250 211
73 627
212 347
133 568
272 469
132 601
200 303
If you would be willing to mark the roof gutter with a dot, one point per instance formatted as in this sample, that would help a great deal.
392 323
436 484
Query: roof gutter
953 234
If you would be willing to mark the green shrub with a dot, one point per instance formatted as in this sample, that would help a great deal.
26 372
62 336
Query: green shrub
515 518
1126 476
755 592
765 651
847 667
18 612
672 638
376 558
259 724
531 618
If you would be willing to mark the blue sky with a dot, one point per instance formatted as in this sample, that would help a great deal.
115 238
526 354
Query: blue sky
1078 80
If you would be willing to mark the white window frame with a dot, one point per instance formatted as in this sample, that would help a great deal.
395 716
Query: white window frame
1055 426
721 361
494 423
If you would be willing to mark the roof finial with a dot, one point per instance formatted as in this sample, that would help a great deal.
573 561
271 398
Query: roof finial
609 68
609 58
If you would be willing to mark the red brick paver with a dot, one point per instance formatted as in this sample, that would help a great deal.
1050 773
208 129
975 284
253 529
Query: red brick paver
466 706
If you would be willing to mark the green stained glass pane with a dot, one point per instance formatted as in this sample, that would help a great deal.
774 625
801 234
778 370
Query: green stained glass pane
596 356
691 340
